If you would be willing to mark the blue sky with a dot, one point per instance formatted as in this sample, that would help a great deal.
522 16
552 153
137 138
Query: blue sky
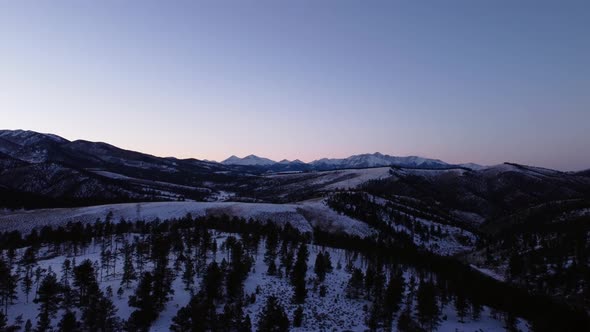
480 81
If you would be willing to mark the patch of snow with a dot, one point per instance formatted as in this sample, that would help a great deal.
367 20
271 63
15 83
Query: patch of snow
471 217
489 272
111 175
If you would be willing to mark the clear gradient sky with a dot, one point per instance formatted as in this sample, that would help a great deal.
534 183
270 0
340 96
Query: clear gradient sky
480 81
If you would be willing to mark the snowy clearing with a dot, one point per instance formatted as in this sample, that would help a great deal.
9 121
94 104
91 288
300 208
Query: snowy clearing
304 215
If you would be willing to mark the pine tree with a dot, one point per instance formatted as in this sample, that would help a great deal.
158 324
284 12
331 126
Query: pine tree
48 298
238 271
404 322
141 250
28 326
4 327
27 283
232 318
66 272
105 254
393 296
377 288
461 306
68 322
66 276
120 292
85 282
38 276
298 317
428 309
8 283
98 312
128 269
188 275
212 281
287 257
299 274
475 310
319 267
18 323
246 324
373 319
271 244
369 280
3 322
355 284
272 268
146 312
273 317
29 259
198 315
162 284
102 316
182 321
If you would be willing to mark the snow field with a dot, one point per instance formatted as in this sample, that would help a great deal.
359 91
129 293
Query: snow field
333 312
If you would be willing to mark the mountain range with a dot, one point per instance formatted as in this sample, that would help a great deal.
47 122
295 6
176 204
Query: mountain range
38 170
34 147
357 161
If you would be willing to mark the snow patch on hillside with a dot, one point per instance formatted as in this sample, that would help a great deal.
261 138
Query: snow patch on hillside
302 215
429 173
331 180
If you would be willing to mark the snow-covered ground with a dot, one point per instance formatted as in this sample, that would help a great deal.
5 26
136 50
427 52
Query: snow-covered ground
339 179
333 312
222 196
304 215
452 240
117 176
426 173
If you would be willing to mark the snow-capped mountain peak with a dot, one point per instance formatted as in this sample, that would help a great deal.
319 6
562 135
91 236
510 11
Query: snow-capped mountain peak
378 159
251 160
291 162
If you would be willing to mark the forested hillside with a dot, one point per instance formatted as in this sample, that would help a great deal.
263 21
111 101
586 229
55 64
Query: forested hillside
221 274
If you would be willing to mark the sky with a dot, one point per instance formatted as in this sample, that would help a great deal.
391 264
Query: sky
462 81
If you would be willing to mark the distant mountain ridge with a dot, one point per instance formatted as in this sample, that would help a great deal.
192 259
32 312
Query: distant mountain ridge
37 147
378 159
250 160
366 160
